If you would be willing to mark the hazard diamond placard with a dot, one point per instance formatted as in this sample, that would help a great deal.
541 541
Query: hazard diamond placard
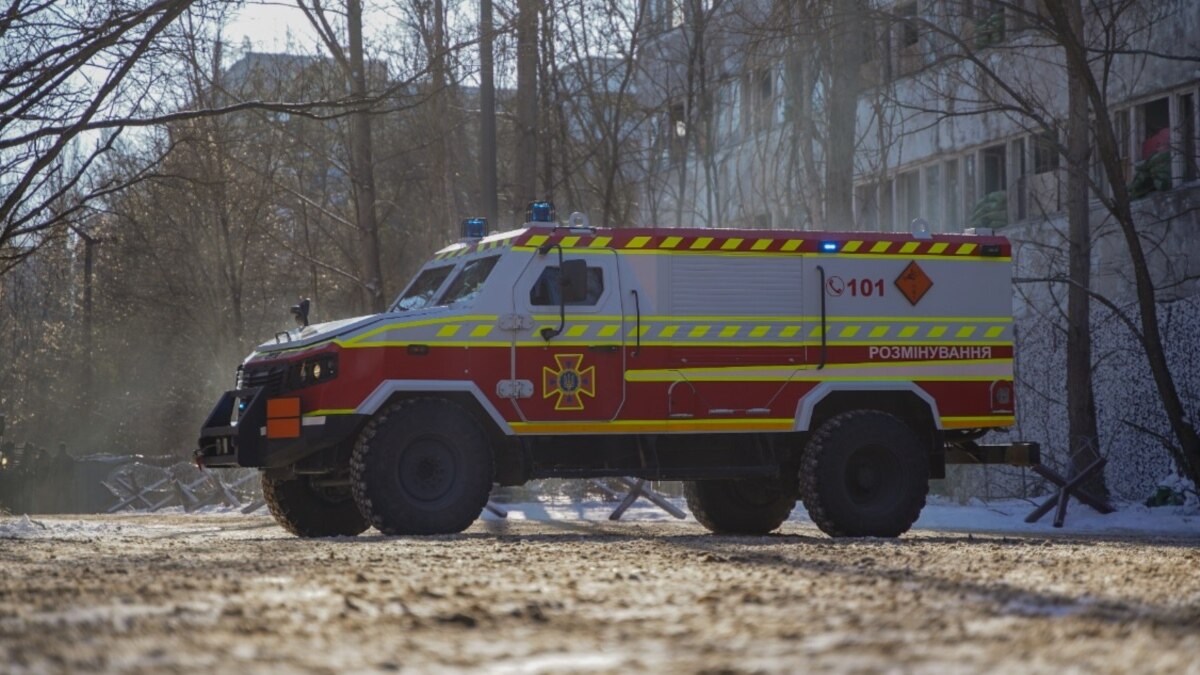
914 283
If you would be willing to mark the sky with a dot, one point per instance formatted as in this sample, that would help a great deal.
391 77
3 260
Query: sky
267 25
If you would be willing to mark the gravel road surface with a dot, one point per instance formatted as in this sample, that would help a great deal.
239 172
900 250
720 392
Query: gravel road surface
230 593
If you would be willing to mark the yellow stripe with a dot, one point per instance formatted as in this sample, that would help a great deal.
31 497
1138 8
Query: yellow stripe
670 242
761 245
481 331
792 245
568 242
537 240
849 331
879 331
786 374
715 318
638 331
701 243
972 422
909 247
449 330
608 331
729 331
938 247
328 412
600 242
936 332
851 246
649 426
577 330
908 331
731 244
698 331
994 332
881 247
816 331
965 332
759 331
789 332
668 331
637 242
695 250
965 249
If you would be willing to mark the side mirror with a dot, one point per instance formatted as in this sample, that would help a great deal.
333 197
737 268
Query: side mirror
573 278
300 311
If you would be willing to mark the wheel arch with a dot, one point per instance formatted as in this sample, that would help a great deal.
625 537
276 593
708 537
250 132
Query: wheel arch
510 465
905 400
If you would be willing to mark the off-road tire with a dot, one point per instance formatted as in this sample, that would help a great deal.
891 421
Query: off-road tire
421 466
307 510
742 506
864 473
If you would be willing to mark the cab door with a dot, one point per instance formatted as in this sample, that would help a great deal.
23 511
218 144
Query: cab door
577 374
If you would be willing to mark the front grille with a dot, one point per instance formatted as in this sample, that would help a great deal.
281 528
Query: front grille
271 378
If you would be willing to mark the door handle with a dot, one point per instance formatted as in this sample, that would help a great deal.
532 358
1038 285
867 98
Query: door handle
604 348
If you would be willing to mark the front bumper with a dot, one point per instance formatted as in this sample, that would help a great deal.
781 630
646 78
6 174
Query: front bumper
245 442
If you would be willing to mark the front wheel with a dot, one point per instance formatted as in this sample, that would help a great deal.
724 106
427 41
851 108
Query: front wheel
308 506
865 473
742 506
422 466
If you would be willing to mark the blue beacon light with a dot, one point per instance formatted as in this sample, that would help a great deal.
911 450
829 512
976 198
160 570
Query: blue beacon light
540 212
474 228
829 247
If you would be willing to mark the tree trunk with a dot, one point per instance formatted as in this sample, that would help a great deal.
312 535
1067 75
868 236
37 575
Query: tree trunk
1187 453
527 104
444 120
1084 444
487 116
362 166
845 37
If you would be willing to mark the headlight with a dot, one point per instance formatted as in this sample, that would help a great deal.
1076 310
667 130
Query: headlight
309 372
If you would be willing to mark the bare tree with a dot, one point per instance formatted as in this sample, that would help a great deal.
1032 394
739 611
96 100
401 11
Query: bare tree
1083 47
350 58
50 97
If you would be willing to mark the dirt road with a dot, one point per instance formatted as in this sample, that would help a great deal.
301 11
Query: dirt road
229 594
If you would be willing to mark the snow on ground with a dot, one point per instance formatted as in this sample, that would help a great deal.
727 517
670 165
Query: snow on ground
997 516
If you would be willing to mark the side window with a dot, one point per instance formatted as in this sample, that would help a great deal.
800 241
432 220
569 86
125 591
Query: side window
420 292
545 289
470 280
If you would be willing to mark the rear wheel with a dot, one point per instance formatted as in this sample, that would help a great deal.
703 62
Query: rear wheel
422 466
742 506
307 506
865 473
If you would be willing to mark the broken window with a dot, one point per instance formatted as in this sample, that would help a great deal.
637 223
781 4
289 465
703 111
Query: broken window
953 195
677 133
908 194
1187 136
991 210
933 199
986 19
1045 152
908 39
758 103
1153 172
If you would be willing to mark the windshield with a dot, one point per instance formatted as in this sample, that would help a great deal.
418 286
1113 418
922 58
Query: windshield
470 280
420 293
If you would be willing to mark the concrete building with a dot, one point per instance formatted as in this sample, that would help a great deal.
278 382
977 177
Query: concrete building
961 121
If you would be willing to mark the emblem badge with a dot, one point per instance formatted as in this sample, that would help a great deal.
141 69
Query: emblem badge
570 382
